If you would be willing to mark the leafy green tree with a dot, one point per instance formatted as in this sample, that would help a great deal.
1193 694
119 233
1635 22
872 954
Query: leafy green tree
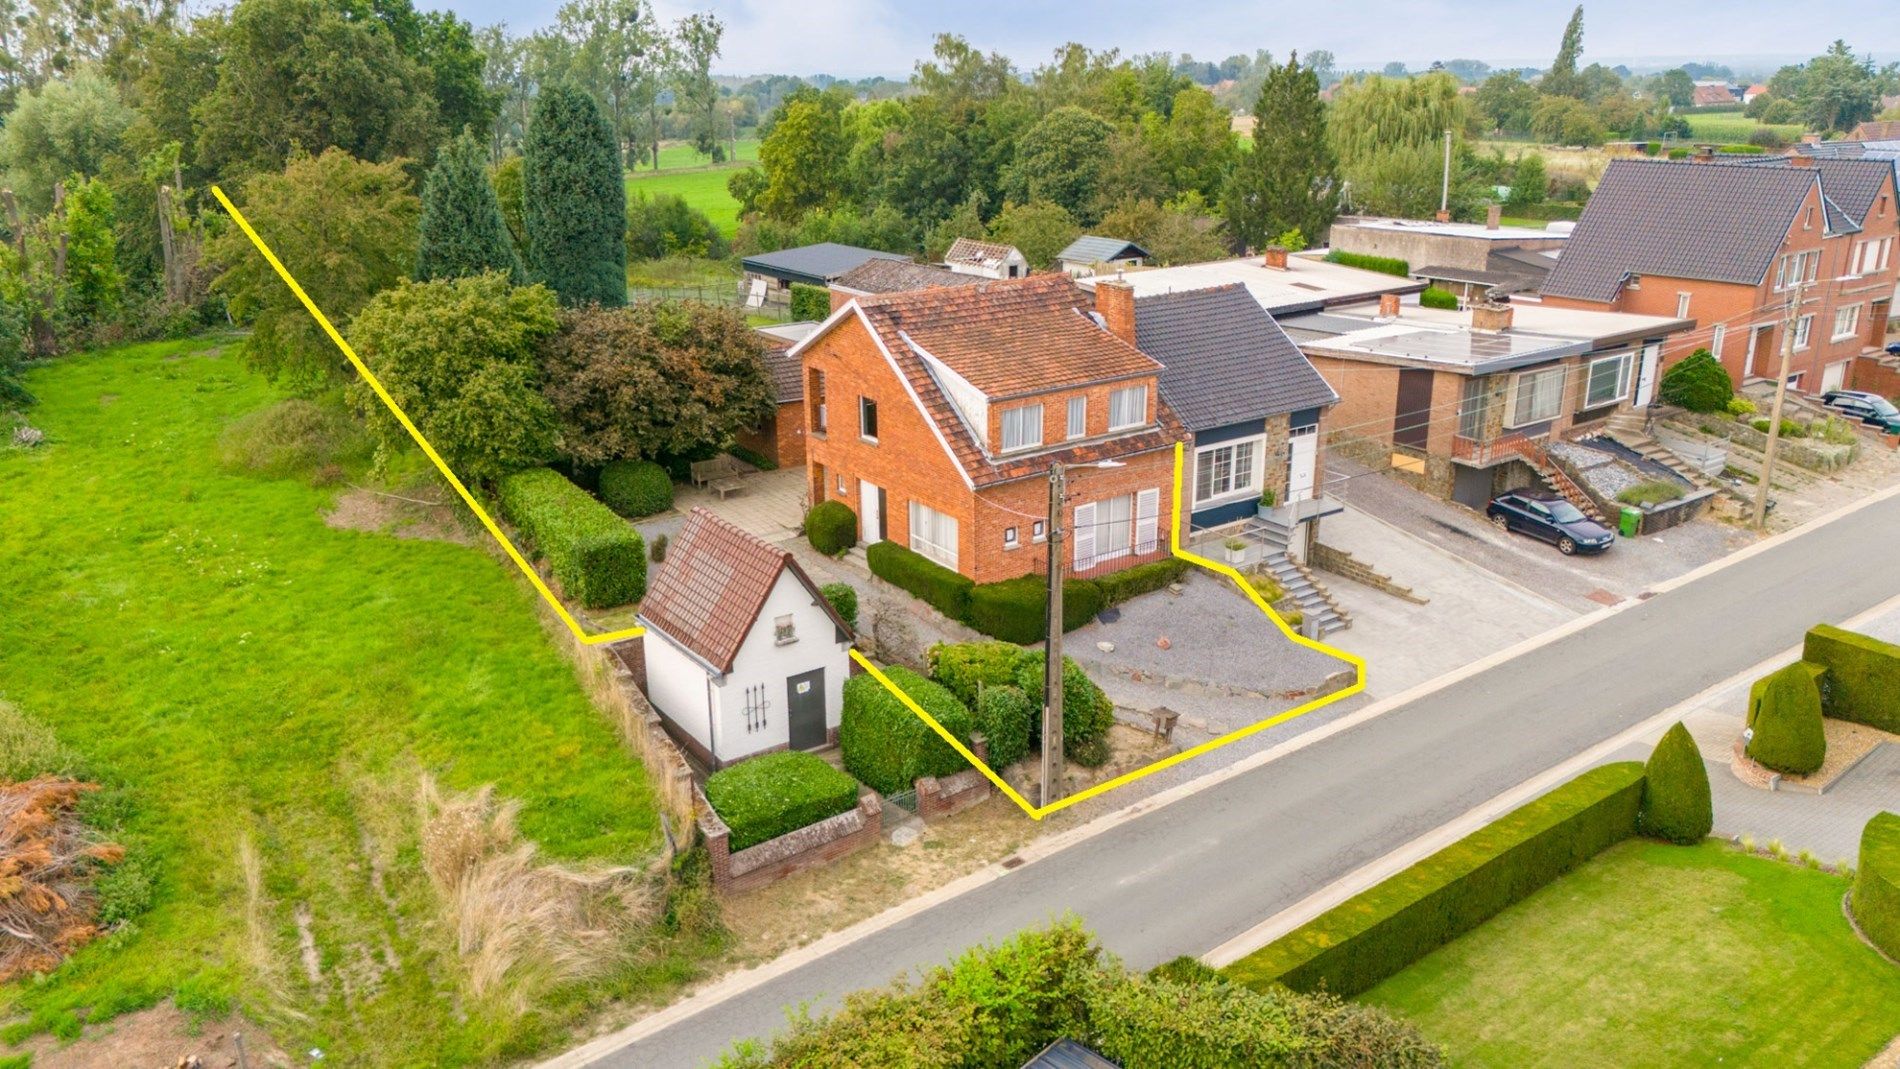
1195 147
1060 160
1171 234
1676 803
506 179
617 51
802 157
462 230
1676 87
663 224
1388 136
965 221
574 202
1562 78
1505 101
346 228
1565 121
16 320
73 126
459 356
698 36
1039 229
1833 91
445 45
1529 184
1289 180
1698 382
93 283
654 378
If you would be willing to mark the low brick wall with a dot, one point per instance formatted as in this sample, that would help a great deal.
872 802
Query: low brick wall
950 795
773 860
1340 562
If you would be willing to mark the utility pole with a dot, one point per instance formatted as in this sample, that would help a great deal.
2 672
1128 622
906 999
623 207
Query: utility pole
1052 649
1444 186
1781 395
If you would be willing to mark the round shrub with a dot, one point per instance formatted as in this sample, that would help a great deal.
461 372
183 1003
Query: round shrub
844 601
1676 804
1438 297
1006 719
1877 883
1698 383
1786 720
1086 711
1016 610
769 796
636 488
887 745
964 668
832 527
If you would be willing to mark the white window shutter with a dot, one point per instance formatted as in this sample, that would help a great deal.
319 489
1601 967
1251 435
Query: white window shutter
1147 510
1085 537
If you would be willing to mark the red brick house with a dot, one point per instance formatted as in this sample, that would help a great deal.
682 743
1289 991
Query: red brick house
936 415
780 438
1726 243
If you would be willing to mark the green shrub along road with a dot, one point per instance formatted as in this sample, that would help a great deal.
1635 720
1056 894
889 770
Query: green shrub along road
258 681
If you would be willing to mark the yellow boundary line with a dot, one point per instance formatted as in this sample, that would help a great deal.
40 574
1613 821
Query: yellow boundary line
580 633
428 450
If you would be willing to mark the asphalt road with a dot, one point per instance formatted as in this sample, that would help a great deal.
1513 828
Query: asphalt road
1187 877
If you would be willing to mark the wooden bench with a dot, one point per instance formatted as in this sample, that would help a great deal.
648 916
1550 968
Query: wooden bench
719 468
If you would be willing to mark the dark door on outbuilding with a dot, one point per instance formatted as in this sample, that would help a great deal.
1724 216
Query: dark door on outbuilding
1412 422
805 705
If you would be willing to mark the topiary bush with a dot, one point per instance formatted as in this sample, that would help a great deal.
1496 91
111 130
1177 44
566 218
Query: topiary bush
1876 892
1698 383
844 601
1785 716
887 745
636 488
831 527
768 796
1862 681
1016 610
966 668
937 586
598 559
1438 297
1007 719
810 303
1676 807
1087 712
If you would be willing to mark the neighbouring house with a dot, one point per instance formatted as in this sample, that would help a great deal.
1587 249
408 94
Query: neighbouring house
1712 95
769 275
781 437
1249 399
985 259
743 655
936 415
1876 130
1464 403
1469 259
1090 255
1729 245
1283 283
873 277
1753 91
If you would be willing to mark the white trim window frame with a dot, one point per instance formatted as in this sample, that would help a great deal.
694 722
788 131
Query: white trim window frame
1128 407
933 534
1803 332
1717 335
1228 470
1022 427
1536 397
1851 313
1078 417
1599 389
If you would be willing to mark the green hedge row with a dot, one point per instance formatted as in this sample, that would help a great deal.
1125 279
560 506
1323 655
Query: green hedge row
944 590
971 670
1373 935
1385 265
1438 297
886 745
810 302
1015 609
1877 883
636 488
778 793
598 559
1863 676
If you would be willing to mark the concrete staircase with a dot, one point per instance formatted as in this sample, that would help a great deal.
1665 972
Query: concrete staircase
1315 601
1631 429
1534 454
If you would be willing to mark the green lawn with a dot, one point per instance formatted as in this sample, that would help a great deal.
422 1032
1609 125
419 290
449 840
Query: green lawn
703 188
1660 956
675 155
248 673
1731 127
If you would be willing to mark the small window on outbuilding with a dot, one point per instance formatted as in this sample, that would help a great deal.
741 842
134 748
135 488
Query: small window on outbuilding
783 631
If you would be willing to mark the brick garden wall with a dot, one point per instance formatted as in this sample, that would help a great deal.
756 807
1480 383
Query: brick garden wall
773 860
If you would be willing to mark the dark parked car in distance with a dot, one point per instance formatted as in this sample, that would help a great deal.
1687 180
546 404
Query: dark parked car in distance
1550 518
1870 408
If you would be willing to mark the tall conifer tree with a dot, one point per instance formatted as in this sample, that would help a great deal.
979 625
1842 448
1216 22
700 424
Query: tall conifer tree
1562 79
1289 180
574 202
462 229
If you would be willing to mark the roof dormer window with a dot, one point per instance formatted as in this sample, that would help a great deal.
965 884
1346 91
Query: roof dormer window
1022 427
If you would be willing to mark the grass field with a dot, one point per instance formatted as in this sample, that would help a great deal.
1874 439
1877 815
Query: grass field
1660 956
251 675
1731 127
694 178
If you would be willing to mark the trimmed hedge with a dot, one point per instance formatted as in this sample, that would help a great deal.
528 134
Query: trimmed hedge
1016 610
966 668
844 601
1676 807
810 302
1006 719
889 747
1385 265
1784 710
1863 676
778 793
1877 883
636 488
831 527
944 590
1118 587
598 559
1698 383
1437 297
1087 712
1355 945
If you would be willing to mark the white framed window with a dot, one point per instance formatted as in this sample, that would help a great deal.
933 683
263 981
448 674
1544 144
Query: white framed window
1471 409
1607 381
1537 396
1846 322
1078 416
1116 527
1798 267
1682 306
1803 328
1011 540
1127 407
1716 338
933 534
842 490
1227 469
1022 427
1037 532
783 631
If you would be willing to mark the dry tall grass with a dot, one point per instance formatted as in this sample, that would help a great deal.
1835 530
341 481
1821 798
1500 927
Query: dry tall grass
521 925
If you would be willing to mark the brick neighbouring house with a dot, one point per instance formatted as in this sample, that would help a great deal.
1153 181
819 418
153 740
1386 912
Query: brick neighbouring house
936 415
781 437
734 627
1722 243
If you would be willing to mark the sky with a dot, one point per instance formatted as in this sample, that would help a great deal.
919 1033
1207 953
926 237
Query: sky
857 38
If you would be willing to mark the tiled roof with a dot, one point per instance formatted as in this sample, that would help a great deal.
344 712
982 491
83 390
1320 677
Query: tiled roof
1717 222
715 579
1226 360
1089 249
985 254
818 263
787 371
1853 184
1879 130
899 276
1710 95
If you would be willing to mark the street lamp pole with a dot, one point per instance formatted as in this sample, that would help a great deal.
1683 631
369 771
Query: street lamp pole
1052 656
1792 321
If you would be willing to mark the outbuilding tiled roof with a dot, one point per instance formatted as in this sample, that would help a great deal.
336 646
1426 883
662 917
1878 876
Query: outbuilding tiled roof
899 276
1090 249
1718 222
787 371
1226 360
708 592
989 255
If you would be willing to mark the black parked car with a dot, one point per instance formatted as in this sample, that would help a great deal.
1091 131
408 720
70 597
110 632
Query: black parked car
1870 408
1550 518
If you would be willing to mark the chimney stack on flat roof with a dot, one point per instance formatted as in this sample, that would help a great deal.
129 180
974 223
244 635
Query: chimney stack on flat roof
1491 317
1115 303
1388 306
1275 257
1493 216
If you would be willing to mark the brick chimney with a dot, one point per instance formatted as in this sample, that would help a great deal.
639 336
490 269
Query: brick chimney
1704 154
1491 317
1388 306
1799 160
1275 257
1115 303
1493 216
1442 215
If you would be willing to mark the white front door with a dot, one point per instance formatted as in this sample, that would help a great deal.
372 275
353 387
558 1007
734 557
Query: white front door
1834 376
870 513
1646 377
1302 452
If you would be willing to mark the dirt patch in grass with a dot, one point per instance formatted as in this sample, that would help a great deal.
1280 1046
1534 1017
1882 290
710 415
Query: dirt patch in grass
419 509
160 1036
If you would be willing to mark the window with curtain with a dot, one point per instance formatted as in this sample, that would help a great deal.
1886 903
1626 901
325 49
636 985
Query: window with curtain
933 534
1608 380
1537 396
1022 427
1127 407
1078 416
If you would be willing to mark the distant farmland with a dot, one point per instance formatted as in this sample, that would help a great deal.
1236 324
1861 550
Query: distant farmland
686 173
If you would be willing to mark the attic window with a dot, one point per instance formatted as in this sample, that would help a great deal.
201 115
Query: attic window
783 631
